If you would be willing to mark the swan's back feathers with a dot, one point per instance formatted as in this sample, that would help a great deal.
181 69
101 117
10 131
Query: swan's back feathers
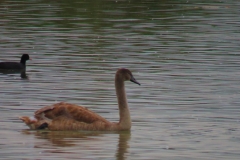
62 123
68 111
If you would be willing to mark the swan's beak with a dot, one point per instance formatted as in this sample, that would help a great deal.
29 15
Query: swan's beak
134 80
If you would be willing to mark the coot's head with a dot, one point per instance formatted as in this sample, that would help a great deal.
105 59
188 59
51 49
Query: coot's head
24 58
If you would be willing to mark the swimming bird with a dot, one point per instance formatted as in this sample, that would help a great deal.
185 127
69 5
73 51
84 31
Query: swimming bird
15 65
66 116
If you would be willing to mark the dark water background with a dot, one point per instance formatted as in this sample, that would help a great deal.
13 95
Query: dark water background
184 53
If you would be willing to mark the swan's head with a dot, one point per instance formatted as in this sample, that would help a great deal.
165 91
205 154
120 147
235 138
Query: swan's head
127 75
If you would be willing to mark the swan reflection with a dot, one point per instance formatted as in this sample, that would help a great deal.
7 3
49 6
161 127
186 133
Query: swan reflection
80 142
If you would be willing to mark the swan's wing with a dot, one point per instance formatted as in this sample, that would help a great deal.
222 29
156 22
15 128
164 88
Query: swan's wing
68 111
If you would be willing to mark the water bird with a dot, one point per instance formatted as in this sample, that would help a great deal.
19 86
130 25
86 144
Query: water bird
65 116
15 65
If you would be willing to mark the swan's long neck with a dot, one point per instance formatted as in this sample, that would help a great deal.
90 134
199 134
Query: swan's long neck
125 119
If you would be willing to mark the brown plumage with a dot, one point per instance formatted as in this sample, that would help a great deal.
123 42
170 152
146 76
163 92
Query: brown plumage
65 116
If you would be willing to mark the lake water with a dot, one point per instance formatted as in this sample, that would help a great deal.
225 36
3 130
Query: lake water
185 54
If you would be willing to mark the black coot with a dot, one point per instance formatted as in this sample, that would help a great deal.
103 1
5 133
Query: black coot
15 65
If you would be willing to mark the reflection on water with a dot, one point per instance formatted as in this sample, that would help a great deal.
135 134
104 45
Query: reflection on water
122 145
23 74
184 53
56 140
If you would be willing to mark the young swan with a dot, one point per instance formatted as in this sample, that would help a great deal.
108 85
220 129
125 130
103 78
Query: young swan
65 116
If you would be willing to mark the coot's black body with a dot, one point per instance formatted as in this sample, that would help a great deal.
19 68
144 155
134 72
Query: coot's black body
15 65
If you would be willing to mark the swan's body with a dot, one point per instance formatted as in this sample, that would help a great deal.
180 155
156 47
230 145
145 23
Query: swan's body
65 116
15 65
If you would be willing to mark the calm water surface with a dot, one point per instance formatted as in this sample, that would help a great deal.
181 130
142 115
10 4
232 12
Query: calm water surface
184 53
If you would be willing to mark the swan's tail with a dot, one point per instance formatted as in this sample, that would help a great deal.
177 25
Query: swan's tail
33 123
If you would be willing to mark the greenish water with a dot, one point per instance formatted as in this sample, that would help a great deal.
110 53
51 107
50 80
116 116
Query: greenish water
185 54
